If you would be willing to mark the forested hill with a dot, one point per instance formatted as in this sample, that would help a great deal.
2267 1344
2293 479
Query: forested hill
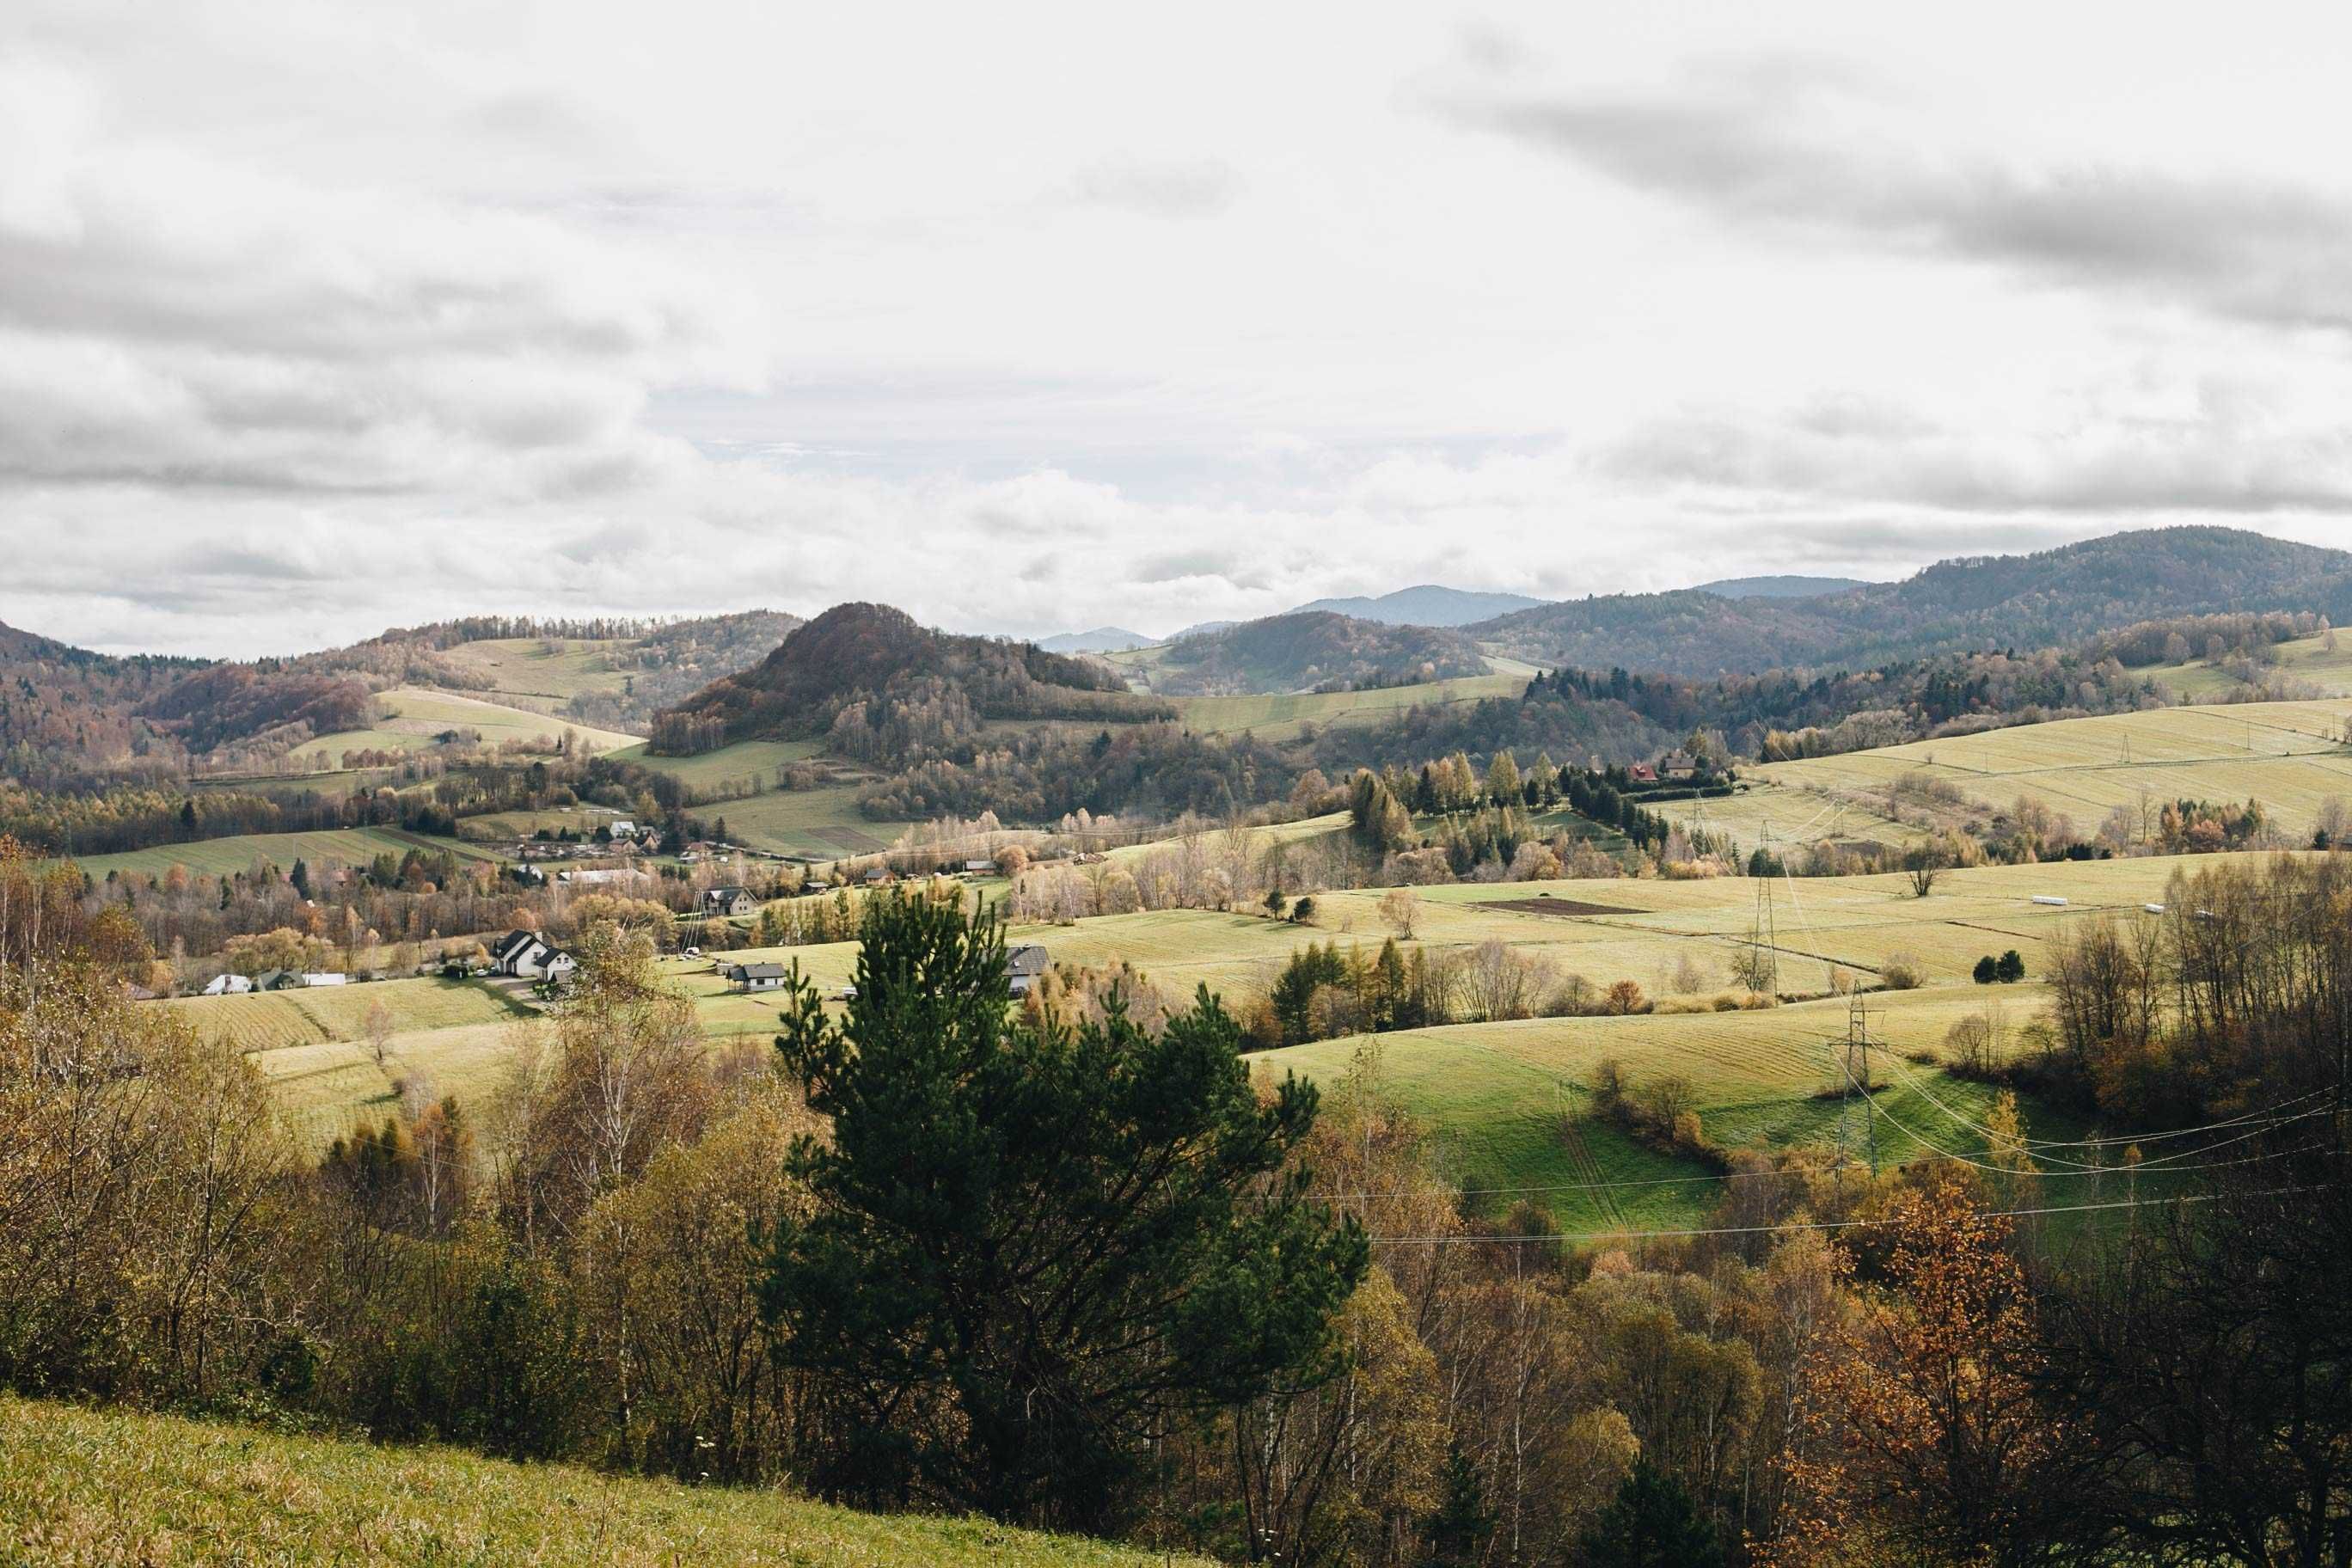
1310 650
875 680
61 705
2056 596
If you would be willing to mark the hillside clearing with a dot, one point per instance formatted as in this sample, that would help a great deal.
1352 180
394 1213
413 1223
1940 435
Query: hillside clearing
2304 662
242 852
1282 716
414 718
105 1486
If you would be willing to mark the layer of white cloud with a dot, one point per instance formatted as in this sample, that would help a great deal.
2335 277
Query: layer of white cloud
317 318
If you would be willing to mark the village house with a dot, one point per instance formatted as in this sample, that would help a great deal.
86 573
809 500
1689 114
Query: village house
228 986
1678 765
719 902
753 976
1641 772
526 955
1023 965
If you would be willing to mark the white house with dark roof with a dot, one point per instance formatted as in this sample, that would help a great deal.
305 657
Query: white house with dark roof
526 955
1023 965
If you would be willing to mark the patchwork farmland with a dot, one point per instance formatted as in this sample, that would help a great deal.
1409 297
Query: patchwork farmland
1509 1102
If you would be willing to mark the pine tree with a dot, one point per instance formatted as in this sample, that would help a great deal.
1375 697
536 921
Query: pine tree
1651 1523
1034 1247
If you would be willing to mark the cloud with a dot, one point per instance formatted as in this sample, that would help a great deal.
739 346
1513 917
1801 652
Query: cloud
2211 462
1793 145
186 321
1195 189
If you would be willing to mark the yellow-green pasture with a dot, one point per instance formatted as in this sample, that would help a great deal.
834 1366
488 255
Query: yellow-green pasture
1509 1105
544 673
243 852
2288 755
80 1485
414 717
1282 716
2304 662
1765 811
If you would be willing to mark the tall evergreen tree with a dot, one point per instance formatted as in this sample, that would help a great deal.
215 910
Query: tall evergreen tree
1036 1248
1651 1523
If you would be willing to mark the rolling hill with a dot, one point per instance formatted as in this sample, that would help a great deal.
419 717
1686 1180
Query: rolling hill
878 660
2005 601
1303 652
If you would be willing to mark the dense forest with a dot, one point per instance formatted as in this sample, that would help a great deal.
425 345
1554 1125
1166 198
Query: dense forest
2050 598
885 687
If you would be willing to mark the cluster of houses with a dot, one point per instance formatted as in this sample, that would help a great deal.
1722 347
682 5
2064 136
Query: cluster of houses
1675 767
269 980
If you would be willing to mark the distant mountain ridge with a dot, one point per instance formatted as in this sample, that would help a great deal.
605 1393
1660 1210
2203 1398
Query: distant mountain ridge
2040 600
1102 639
1425 604
1780 588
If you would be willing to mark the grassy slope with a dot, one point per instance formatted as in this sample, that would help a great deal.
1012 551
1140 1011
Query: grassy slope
87 1487
415 716
822 823
223 857
2303 662
2281 753
1497 1094
1281 716
544 674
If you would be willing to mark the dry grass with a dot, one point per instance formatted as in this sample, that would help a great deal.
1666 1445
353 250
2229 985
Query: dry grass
88 1487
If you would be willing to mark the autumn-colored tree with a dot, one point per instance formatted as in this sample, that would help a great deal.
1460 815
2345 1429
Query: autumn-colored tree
1922 1430
1400 911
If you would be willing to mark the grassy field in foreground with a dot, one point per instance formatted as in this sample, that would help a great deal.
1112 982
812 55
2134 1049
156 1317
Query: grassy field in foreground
106 1486
2285 754
227 857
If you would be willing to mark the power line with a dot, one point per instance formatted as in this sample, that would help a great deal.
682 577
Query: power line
1465 1239
1788 1173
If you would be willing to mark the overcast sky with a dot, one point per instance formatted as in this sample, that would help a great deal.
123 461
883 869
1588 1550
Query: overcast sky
317 318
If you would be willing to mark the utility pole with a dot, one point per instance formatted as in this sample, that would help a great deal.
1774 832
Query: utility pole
1856 1102
1763 940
